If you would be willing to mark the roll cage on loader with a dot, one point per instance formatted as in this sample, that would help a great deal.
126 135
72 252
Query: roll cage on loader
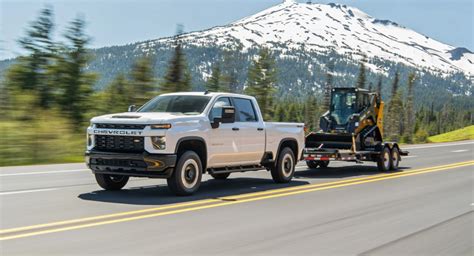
352 130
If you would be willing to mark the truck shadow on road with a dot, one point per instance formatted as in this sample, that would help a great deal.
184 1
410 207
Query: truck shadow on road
161 195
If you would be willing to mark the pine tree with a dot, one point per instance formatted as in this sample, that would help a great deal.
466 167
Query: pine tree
393 124
142 81
409 116
328 86
361 79
280 115
214 84
261 81
230 71
30 71
69 73
379 87
371 86
311 112
117 96
178 77
395 84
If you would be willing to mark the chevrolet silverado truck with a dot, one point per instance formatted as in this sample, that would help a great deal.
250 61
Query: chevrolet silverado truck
180 136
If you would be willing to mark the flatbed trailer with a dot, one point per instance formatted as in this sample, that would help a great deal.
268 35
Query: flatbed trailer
387 155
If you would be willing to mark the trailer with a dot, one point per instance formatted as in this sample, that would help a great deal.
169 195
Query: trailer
352 130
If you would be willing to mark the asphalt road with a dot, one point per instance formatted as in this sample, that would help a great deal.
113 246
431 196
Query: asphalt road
345 209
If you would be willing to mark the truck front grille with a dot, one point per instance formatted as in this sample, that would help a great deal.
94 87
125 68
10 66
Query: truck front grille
121 126
129 144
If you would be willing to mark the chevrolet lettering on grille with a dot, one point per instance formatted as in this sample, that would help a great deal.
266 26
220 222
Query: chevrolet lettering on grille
117 132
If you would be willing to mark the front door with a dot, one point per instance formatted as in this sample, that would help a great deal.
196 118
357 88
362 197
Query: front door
223 148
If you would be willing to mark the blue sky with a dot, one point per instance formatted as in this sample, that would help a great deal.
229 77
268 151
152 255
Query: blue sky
117 22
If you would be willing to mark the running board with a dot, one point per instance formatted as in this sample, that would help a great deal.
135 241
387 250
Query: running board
235 169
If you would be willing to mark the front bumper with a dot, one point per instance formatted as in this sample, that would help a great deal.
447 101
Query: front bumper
137 165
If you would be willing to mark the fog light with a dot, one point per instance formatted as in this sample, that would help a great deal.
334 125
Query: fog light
159 142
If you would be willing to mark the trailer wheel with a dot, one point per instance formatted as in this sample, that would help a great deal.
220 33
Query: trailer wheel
395 159
385 160
284 169
220 176
186 177
111 182
323 164
312 164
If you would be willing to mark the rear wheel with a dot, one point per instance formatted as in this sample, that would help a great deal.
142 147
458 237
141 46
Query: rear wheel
111 182
186 177
385 160
312 164
284 169
323 164
220 176
395 159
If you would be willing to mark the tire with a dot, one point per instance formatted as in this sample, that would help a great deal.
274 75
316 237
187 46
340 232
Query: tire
395 153
111 182
186 177
284 169
323 164
312 164
220 176
385 160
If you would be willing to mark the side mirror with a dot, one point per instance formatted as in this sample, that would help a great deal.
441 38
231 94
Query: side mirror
227 116
132 108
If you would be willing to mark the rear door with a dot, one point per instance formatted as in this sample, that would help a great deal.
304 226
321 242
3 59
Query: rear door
251 140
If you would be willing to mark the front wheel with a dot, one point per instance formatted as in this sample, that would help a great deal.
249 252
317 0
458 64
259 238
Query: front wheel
186 177
284 169
111 182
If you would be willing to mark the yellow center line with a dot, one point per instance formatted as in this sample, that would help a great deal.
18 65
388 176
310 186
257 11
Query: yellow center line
256 196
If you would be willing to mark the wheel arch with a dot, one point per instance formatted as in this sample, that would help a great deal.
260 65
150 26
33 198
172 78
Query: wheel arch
196 144
292 143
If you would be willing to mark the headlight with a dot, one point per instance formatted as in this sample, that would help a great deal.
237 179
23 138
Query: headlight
160 126
159 142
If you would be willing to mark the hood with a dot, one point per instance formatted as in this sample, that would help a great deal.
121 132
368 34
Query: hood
142 118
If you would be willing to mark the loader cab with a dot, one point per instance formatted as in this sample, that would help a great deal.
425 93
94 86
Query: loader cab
345 102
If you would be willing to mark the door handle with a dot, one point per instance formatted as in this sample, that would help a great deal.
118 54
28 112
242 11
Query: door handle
259 129
235 129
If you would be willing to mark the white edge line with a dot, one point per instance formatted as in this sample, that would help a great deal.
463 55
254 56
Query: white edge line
45 172
439 145
26 191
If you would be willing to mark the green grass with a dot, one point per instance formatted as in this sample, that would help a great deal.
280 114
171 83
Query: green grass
466 133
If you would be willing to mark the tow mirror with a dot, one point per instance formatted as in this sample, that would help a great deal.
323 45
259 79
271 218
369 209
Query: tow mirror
227 116
132 108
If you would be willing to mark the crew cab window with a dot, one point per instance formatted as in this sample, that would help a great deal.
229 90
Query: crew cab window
216 110
245 110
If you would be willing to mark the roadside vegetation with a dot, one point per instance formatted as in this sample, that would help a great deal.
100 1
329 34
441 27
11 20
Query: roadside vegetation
47 96
466 133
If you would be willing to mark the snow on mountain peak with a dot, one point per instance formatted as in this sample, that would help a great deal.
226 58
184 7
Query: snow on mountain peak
334 27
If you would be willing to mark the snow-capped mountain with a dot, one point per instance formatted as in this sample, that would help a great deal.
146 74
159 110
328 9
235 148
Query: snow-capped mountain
333 27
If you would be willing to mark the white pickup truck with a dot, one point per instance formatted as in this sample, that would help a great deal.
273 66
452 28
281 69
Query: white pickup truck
180 136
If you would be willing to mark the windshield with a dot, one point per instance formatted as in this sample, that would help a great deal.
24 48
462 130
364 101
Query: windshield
182 104
342 106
